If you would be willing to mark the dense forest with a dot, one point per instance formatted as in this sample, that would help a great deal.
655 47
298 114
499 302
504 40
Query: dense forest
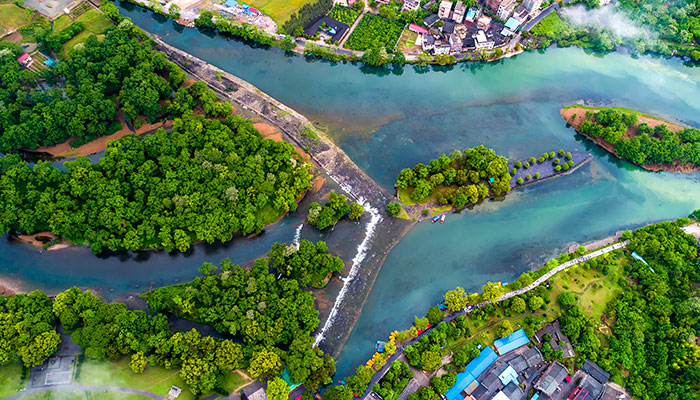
328 214
273 317
460 179
309 265
203 181
656 319
86 90
651 145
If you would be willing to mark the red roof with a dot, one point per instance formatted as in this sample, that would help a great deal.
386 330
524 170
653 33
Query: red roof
23 57
253 10
417 29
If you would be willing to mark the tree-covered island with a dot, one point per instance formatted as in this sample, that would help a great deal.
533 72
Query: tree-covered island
641 139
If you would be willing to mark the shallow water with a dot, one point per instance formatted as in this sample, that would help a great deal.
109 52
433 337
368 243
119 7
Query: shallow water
386 122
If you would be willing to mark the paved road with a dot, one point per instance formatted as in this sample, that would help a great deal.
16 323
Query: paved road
87 388
377 376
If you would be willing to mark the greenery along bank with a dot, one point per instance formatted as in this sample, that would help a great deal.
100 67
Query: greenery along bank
638 321
644 140
204 180
267 323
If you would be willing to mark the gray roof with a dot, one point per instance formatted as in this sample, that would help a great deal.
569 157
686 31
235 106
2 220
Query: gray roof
491 381
449 27
533 356
430 19
513 391
594 388
596 371
519 364
254 391
552 378
614 392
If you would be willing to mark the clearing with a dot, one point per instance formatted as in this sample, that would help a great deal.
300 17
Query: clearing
95 24
279 10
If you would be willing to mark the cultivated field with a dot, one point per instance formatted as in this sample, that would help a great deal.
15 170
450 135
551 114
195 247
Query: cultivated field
279 10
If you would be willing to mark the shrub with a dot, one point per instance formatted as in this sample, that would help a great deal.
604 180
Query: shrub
520 181
557 168
561 152
526 165
513 171
518 164
545 155
540 160
393 208
571 163
568 156
537 175
425 212
528 177
551 154
556 161
565 166
532 160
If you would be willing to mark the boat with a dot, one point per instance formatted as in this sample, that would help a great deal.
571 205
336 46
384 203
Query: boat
442 219
436 218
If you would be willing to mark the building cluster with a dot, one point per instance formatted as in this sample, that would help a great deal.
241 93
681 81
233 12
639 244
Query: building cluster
515 370
457 28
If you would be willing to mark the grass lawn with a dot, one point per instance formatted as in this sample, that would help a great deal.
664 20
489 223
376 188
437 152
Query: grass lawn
235 381
12 17
82 395
95 24
279 10
61 23
11 380
154 379
552 26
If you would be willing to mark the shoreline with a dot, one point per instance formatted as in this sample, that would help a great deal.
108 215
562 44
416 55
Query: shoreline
568 112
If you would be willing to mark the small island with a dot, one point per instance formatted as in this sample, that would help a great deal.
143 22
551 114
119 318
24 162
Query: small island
465 178
644 140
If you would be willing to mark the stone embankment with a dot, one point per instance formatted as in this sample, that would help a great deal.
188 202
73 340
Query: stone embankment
382 232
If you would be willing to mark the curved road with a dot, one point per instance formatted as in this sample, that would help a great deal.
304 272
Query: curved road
379 374
87 388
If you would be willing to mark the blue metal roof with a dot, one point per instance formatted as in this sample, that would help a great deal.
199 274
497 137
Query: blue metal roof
472 371
512 24
511 342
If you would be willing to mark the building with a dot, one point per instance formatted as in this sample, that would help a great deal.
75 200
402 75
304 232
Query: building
511 342
613 391
532 6
430 20
596 371
428 42
552 377
333 29
469 43
493 4
25 60
472 371
511 392
174 392
448 28
385 2
455 43
505 9
445 9
482 42
483 22
459 12
417 29
471 15
442 48
553 329
254 391
410 5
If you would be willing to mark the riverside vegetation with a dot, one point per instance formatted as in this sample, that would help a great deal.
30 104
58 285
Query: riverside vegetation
637 321
209 177
267 322
337 207
620 132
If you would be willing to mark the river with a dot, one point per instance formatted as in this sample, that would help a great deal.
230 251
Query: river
387 121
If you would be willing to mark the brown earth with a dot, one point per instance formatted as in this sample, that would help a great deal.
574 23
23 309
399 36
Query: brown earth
580 113
270 132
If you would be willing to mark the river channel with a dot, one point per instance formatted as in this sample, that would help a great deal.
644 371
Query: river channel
391 120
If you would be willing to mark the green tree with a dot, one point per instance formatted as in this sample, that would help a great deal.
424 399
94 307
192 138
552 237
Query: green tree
265 363
435 315
393 208
535 302
456 299
138 362
504 328
277 389
492 291
517 306
356 211
567 299
430 360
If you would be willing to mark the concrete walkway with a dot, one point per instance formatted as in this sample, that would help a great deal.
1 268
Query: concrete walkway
87 388
377 376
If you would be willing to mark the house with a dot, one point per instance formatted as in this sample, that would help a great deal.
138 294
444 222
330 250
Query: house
448 28
472 371
25 60
558 341
459 12
385 2
532 6
254 391
442 48
445 9
596 371
469 43
552 377
521 13
417 29
252 11
430 20
482 43
471 15
511 392
511 342
428 42
174 392
483 22
329 27
410 5
493 4
613 391
505 9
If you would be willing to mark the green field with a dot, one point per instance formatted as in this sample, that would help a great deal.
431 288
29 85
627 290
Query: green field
12 17
11 380
552 26
279 10
95 24
82 395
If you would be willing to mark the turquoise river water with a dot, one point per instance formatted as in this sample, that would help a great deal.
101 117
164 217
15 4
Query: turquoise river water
388 121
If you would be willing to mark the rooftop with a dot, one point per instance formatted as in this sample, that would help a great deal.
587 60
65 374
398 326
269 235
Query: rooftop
596 371
338 28
511 342
551 378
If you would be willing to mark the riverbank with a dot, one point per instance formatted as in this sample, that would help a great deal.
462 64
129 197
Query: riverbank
576 115
382 232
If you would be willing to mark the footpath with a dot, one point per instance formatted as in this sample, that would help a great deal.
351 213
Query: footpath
379 374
